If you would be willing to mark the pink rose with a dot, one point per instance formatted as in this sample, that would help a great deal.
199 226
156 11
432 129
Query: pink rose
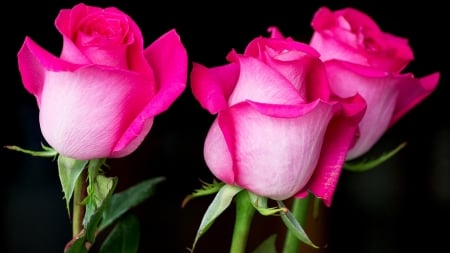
277 126
362 59
99 98
350 35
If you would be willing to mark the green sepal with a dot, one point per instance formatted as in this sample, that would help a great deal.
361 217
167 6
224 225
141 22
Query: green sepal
98 198
367 165
46 152
220 202
123 201
69 171
207 189
124 237
260 204
294 226
268 245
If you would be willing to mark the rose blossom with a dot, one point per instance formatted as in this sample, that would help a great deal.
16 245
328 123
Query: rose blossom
98 99
361 58
276 123
349 34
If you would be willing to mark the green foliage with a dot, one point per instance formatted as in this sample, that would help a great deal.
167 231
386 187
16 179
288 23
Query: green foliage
370 164
220 203
207 189
294 226
69 171
123 201
124 238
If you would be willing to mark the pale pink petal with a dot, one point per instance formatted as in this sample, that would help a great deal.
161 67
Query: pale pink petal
270 158
96 121
218 156
261 83
381 92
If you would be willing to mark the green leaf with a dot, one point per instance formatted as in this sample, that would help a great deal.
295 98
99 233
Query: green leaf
206 189
294 226
260 204
69 171
220 202
96 201
77 246
47 151
127 199
268 245
124 238
367 165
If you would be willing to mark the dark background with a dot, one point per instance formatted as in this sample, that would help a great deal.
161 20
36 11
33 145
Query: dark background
403 205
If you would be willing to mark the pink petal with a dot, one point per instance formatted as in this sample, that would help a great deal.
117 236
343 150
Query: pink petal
412 92
83 120
274 157
260 83
213 86
340 136
33 63
168 59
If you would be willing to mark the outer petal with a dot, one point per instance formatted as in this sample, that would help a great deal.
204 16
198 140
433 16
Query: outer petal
274 157
86 124
383 92
212 86
341 135
168 59
33 63
218 157
412 92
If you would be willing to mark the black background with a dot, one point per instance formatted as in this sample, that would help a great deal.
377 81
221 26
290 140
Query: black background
403 205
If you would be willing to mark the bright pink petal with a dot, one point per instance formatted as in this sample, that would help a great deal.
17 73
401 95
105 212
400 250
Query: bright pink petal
213 86
275 32
412 92
66 23
33 63
168 59
340 136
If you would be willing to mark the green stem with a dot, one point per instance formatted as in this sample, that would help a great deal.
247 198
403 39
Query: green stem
244 216
79 193
300 211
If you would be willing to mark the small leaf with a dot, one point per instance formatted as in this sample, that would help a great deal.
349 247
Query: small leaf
69 171
268 245
206 189
47 151
367 165
127 199
220 202
294 226
124 238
